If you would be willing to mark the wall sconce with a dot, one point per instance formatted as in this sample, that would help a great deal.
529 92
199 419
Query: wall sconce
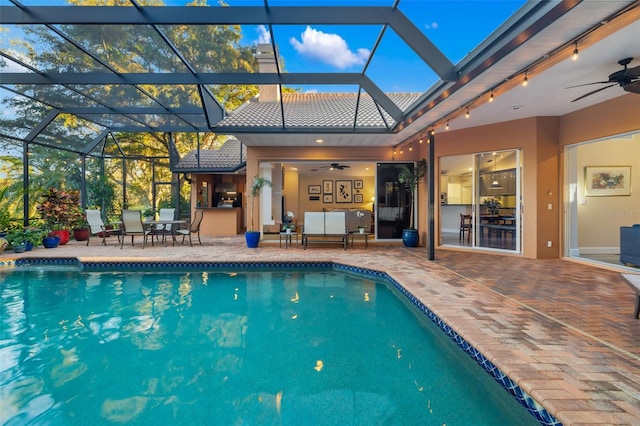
467 115
525 82
574 57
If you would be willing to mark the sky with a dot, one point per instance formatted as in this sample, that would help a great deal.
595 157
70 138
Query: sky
452 25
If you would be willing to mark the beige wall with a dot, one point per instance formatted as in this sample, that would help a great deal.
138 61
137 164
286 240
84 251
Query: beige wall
600 218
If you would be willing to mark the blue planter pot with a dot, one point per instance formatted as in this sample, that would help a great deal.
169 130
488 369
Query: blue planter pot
29 246
50 242
252 238
410 237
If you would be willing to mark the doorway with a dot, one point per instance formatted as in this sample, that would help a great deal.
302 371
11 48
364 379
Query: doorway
481 192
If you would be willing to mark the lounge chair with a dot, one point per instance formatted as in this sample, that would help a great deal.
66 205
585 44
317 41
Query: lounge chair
132 225
97 227
194 228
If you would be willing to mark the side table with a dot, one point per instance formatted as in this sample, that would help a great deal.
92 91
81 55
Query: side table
364 235
288 238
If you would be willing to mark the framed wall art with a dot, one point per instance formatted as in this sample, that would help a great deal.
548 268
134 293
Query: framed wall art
327 198
357 198
357 184
327 187
344 191
607 181
314 189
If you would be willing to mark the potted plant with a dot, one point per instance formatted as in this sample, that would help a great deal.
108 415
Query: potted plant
148 214
33 236
51 240
58 209
411 178
288 225
16 240
258 183
80 225
361 226
492 205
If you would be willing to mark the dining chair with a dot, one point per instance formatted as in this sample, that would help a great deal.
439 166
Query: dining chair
164 229
132 225
194 228
466 225
97 226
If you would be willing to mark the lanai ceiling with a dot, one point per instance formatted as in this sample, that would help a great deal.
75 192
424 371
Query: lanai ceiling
537 39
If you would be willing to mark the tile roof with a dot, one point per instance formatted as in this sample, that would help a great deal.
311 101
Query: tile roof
320 110
230 157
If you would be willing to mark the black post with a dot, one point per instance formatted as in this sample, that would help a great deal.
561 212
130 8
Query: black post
25 183
431 179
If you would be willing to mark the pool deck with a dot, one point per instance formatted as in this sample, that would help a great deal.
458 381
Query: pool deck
563 331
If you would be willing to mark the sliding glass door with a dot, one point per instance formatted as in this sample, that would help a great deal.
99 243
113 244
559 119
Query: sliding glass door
497 203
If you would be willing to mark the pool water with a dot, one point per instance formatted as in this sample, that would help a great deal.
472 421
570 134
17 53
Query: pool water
231 348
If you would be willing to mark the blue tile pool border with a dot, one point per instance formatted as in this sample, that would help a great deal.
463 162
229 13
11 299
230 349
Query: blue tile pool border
532 406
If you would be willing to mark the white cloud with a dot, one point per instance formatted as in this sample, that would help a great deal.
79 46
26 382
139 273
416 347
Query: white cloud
263 35
431 26
312 91
328 48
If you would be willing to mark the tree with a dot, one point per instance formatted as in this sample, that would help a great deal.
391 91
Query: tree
411 177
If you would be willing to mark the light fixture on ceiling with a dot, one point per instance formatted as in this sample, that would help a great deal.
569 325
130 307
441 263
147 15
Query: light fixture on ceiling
525 82
467 115
574 57
319 141
495 184
447 126
491 97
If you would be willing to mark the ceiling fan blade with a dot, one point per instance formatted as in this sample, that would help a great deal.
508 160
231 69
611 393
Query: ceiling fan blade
595 91
632 87
633 72
588 84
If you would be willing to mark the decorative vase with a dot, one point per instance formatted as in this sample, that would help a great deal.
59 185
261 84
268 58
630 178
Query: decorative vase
288 230
29 246
252 238
81 234
63 234
361 230
410 237
51 241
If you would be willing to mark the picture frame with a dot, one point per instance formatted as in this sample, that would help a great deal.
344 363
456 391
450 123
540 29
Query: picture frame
314 198
327 187
344 191
314 189
607 181
327 198
357 184
357 198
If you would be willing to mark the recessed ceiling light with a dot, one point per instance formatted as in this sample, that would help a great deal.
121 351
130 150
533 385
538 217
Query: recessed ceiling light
516 107
319 141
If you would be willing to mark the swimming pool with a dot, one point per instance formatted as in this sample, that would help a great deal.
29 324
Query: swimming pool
300 345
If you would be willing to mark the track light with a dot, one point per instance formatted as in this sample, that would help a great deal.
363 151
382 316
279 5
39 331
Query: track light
575 53
491 97
447 126
525 82
467 115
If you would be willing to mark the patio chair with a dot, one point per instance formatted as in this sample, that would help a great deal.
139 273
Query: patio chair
194 228
161 228
97 226
132 225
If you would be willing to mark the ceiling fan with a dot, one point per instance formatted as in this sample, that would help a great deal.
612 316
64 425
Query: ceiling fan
335 166
627 78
